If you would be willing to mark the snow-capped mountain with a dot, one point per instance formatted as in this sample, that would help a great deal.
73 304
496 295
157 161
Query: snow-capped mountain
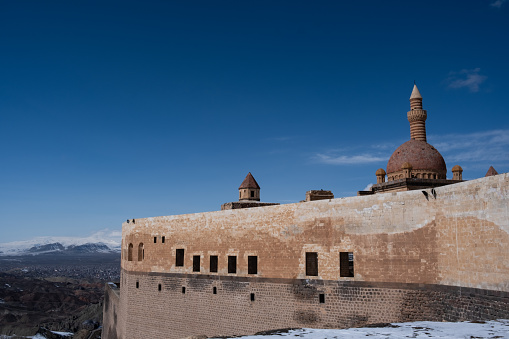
105 241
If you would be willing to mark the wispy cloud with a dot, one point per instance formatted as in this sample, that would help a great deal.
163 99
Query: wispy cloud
368 187
497 3
473 150
486 147
348 159
360 154
469 78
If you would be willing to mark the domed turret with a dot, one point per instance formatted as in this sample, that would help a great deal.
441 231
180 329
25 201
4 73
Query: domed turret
457 173
380 175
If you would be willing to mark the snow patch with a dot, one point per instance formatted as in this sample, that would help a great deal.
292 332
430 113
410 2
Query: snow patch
419 329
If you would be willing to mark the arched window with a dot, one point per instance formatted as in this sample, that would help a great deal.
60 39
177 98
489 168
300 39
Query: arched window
130 253
141 252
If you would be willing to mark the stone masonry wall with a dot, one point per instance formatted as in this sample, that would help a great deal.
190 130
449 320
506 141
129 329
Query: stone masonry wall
113 323
459 238
280 303
429 248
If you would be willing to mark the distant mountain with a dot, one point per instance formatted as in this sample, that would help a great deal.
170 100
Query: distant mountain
105 241
90 248
55 247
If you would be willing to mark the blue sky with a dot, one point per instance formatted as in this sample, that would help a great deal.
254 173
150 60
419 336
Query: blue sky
116 110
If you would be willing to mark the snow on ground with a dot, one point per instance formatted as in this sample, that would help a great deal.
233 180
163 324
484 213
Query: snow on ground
419 329
495 329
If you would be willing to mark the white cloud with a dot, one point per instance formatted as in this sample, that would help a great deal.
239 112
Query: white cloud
497 3
487 147
368 187
349 159
469 78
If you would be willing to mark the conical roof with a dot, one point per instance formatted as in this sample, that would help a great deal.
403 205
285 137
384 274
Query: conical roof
415 93
491 171
249 182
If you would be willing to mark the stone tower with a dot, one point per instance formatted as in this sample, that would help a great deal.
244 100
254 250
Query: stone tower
417 116
249 190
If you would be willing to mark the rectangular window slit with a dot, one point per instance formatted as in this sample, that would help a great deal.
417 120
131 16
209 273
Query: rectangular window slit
213 263
155 240
322 298
183 290
196 263
137 284
214 290
232 264
252 297
163 239
346 264
252 264
179 259
312 263
159 287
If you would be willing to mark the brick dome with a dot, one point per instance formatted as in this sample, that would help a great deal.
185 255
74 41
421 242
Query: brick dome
420 154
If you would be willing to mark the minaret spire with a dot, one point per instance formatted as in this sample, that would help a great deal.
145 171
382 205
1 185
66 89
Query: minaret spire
417 116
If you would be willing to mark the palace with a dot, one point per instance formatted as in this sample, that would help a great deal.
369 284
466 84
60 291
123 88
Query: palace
417 246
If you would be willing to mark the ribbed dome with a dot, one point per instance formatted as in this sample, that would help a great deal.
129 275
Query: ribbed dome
420 154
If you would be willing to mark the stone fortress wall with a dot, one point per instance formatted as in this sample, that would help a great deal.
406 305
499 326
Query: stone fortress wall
415 257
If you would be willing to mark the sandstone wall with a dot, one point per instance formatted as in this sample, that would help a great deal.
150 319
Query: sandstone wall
113 315
459 238
415 258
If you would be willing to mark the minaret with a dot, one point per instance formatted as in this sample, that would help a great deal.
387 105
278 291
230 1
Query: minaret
417 116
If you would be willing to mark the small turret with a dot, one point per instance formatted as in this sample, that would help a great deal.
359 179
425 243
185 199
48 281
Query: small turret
380 176
457 173
491 171
407 170
249 189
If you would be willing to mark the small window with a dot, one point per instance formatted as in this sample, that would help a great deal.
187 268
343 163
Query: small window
213 263
252 264
252 194
252 297
196 263
163 239
312 263
155 240
214 290
159 287
130 252
232 264
179 259
141 252
346 264
322 298
137 284
183 290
